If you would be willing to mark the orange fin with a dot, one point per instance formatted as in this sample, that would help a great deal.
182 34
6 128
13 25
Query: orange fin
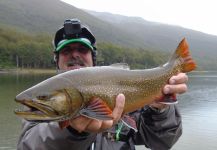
182 51
97 109
64 124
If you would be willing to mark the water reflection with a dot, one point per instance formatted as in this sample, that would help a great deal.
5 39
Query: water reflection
198 109
10 86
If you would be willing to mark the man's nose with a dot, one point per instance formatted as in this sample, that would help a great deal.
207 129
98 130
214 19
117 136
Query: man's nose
75 53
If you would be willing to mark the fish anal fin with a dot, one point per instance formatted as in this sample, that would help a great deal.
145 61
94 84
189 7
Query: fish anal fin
97 109
63 124
129 122
168 99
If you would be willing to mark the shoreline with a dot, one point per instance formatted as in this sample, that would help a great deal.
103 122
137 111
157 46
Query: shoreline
53 71
28 71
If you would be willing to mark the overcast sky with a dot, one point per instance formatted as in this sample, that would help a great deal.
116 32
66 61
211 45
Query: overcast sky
200 15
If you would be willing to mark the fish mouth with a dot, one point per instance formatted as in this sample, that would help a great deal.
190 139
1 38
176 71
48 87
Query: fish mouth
38 112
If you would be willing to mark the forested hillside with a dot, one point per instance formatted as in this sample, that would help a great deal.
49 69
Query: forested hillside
165 37
18 49
36 21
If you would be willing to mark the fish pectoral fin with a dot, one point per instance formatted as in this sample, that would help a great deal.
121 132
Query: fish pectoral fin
168 99
129 122
97 109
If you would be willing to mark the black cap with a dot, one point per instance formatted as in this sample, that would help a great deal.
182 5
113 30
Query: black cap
73 33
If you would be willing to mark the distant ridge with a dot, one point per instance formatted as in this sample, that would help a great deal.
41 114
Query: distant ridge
47 16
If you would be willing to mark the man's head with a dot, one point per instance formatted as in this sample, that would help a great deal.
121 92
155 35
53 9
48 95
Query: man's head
74 46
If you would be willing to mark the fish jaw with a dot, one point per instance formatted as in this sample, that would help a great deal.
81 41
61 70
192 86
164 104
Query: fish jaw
54 107
37 112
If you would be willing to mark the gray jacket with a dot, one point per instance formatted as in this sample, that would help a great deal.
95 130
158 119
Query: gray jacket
157 131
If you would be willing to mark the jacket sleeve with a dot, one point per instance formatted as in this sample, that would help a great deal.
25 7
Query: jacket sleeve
158 131
46 136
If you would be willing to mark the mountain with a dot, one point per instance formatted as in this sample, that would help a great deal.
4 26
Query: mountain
165 37
46 16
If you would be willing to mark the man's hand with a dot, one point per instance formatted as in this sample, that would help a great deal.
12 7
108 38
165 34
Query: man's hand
85 124
176 85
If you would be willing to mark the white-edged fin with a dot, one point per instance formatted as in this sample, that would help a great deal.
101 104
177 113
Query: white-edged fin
169 103
97 109
121 65
129 122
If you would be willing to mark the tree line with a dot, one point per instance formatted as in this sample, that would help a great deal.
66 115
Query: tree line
22 50
19 49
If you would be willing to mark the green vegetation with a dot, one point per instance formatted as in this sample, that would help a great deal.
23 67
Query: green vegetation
22 50
135 58
35 17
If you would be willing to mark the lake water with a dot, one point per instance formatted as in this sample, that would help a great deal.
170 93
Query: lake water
198 108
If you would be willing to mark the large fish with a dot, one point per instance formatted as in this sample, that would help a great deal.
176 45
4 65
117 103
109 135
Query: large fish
92 91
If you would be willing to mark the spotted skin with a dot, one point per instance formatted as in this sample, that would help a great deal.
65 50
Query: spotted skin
79 87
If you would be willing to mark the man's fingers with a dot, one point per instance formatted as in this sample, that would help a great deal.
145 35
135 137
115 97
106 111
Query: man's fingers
178 79
176 85
106 124
94 126
80 123
98 125
119 107
175 89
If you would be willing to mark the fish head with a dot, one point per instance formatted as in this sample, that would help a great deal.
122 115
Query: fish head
48 102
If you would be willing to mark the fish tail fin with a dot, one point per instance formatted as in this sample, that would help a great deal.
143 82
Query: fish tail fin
182 51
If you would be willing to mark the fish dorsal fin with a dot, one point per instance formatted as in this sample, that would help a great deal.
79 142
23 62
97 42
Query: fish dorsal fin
97 109
121 65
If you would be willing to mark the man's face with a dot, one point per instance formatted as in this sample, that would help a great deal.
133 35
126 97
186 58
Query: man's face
74 56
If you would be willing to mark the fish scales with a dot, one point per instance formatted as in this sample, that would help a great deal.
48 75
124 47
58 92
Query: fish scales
92 91
110 81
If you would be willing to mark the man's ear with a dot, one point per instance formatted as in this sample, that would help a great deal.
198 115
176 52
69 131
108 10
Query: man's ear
55 57
55 60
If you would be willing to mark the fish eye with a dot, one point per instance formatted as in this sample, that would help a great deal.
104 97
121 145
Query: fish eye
42 97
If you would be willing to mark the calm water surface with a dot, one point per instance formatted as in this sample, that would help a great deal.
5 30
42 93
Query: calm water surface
198 108
10 86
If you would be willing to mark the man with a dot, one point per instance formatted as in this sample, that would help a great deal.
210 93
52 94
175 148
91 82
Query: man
159 125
